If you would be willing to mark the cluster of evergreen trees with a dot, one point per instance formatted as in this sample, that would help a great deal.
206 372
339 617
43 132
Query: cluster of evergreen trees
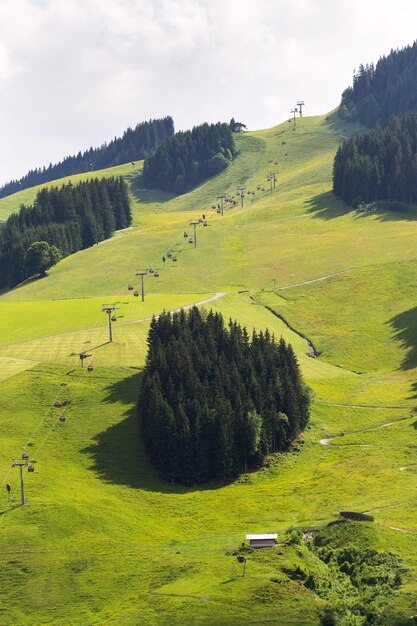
135 144
70 218
380 164
383 90
189 157
215 401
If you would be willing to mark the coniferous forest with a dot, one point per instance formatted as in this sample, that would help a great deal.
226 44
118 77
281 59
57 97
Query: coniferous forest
389 88
189 157
380 164
135 144
70 218
215 401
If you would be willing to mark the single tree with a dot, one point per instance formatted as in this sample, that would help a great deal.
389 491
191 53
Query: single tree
40 257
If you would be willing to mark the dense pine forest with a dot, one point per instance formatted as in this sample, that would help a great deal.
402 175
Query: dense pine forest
380 164
69 218
135 144
383 90
189 157
214 401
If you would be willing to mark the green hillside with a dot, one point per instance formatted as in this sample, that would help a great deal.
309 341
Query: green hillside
102 539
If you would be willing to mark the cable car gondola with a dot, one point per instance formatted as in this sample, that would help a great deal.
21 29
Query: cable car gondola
90 367
31 468
174 259
190 240
156 273
130 287
113 318
136 294
62 418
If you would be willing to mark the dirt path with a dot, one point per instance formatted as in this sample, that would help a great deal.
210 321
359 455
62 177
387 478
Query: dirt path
326 441
313 280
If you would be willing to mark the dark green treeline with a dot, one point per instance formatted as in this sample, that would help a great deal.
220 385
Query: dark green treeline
71 218
135 144
214 401
380 164
389 88
189 157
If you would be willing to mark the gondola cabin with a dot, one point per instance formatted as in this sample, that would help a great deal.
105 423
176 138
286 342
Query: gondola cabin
156 273
262 541
130 287
62 418
190 240
113 318
90 367
136 294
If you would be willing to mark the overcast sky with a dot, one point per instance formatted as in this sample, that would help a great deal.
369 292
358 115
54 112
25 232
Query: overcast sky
76 73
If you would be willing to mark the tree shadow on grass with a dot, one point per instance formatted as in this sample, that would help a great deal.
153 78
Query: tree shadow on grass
326 206
117 454
404 326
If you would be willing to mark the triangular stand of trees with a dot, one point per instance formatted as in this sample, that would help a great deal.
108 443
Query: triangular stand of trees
68 218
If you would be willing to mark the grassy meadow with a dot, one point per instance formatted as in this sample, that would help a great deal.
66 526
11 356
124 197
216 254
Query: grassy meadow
102 540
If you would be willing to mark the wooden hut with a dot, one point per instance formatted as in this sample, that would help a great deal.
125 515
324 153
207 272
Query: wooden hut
262 541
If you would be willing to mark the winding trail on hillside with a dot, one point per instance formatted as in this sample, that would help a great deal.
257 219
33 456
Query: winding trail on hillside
326 441
216 296
313 280
311 348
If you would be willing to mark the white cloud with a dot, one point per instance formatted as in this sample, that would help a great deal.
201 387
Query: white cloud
76 73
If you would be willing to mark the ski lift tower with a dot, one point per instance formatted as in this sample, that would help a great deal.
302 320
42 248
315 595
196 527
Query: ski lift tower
21 463
142 274
109 309
222 197
242 190
195 224
294 111
300 105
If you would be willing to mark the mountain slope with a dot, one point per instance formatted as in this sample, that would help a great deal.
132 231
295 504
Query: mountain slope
102 540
